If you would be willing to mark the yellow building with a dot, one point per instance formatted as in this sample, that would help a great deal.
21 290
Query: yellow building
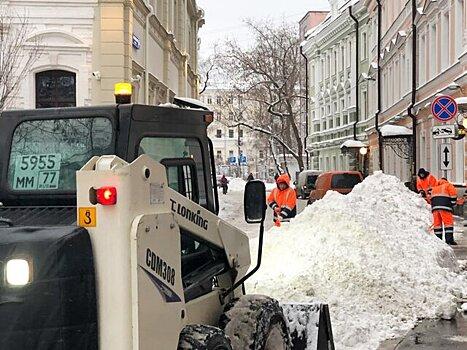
89 45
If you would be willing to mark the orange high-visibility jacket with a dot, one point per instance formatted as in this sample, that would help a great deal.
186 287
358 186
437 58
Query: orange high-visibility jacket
443 196
426 184
284 199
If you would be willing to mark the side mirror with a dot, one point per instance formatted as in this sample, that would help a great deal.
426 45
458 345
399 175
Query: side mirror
254 202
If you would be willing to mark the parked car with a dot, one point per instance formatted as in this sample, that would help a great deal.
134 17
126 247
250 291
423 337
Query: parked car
340 181
306 182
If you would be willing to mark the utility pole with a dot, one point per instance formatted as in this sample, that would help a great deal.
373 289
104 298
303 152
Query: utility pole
239 142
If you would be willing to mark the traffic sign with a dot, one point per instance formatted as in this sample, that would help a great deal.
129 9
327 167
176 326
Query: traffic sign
444 131
444 108
445 156
232 160
242 159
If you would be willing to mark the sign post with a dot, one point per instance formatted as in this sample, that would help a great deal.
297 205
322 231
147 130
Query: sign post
445 158
444 108
445 131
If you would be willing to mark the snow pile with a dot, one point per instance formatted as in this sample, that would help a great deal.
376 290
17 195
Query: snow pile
369 256
237 184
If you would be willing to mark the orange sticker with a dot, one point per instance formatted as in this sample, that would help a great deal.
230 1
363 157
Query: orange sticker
87 217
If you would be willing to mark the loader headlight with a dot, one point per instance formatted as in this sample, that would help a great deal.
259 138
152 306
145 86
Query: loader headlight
18 272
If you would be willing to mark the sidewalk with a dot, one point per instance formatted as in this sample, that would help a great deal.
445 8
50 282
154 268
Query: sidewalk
438 334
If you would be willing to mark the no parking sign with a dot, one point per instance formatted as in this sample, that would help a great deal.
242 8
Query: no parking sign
444 108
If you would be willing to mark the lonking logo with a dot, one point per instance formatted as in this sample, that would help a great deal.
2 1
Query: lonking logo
194 217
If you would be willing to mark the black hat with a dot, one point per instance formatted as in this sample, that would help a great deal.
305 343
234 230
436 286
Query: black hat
422 171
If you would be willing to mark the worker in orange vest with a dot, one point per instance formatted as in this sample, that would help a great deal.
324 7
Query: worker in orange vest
283 200
443 199
425 182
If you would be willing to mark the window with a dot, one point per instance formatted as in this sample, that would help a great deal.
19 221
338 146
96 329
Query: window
345 180
445 59
55 88
231 116
231 153
219 155
343 57
342 105
181 176
261 154
218 100
331 123
364 46
45 154
160 148
229 100
346 120
335 107
231 133
328 110
209 100
218 133
365 104
240 133
335 62
459 25
433 58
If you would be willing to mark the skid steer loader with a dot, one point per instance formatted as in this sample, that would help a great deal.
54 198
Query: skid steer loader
110 239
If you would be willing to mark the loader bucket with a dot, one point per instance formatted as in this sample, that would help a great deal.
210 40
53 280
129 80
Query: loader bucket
309 326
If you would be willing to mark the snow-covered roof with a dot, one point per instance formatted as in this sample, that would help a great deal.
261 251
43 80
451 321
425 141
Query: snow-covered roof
353 144
195 103
395 130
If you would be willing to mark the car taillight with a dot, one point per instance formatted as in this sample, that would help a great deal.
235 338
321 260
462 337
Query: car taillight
106 195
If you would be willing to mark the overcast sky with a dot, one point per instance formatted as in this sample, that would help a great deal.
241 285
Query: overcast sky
224 17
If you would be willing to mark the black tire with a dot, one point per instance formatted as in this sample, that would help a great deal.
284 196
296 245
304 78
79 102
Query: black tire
255 322
201 337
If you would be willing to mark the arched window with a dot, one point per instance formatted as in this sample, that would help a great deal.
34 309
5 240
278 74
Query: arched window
55 88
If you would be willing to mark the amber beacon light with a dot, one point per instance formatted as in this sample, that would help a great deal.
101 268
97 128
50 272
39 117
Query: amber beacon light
122 92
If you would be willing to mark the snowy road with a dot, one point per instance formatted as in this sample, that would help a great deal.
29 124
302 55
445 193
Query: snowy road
231 210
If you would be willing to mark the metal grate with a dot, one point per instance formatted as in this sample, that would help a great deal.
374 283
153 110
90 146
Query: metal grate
40 216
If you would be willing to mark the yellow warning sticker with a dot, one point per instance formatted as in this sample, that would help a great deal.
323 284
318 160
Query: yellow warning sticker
87 217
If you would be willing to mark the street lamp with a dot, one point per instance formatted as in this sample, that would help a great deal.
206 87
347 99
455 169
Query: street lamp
363 151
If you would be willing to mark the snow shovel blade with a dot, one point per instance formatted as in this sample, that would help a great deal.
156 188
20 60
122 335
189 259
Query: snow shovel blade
309 326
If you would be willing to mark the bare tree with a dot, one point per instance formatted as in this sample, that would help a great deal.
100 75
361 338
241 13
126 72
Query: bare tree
16 53
267 77
206 69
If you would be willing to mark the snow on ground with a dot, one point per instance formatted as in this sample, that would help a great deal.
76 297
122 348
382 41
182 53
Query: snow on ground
236 184
369 256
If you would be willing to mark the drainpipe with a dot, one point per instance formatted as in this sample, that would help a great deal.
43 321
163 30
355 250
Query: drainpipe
378 110
306 108
414 91
146 54
357 72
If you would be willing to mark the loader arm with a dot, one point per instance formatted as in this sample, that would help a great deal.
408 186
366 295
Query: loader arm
208 227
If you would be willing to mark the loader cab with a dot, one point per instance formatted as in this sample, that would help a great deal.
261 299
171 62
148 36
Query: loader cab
45 147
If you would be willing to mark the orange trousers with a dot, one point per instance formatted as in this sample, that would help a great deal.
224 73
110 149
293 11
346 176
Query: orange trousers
441 217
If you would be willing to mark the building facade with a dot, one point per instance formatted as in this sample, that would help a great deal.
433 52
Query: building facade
89 45
336 114
440 69
238 150
385 84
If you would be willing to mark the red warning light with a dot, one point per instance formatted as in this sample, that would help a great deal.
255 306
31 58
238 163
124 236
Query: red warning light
106 195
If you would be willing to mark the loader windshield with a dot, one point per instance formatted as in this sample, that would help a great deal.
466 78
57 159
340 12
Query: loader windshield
45 154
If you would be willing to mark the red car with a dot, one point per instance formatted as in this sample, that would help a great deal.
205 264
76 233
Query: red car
340 181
